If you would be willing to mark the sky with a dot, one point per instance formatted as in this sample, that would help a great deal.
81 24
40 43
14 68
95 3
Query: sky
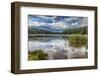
58 22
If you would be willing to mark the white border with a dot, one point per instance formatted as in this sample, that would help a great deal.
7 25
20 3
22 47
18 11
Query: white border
25 64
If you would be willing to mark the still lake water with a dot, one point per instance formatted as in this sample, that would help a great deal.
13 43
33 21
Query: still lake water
54 45
46 42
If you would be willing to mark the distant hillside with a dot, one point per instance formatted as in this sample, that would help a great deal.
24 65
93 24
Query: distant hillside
50 29
78 30
32 30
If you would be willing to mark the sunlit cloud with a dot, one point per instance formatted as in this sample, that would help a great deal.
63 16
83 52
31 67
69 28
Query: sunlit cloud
57 22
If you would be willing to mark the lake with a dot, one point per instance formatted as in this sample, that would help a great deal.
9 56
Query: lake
56 46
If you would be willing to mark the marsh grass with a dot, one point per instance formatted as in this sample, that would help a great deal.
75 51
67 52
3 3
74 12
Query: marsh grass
78 40
37 55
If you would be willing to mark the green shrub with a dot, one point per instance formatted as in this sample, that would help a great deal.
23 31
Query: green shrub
37 55
77 40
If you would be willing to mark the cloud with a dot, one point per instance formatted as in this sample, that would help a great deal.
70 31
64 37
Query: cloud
75 23
57 22
59 25
47 17
85 21
36 23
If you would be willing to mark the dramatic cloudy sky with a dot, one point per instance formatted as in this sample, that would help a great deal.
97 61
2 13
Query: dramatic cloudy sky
58 22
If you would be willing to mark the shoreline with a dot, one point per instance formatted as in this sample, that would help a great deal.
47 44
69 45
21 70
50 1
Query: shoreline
55 35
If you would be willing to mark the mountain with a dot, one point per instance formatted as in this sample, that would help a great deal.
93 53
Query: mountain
76 30
34 30
49 30
43 29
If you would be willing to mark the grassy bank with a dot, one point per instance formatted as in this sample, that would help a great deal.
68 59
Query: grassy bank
78 40
37 55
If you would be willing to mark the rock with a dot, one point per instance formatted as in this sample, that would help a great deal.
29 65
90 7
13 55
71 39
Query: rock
59 55
76 54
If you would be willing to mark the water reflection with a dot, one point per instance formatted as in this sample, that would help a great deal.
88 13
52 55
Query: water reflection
46 42
56 47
